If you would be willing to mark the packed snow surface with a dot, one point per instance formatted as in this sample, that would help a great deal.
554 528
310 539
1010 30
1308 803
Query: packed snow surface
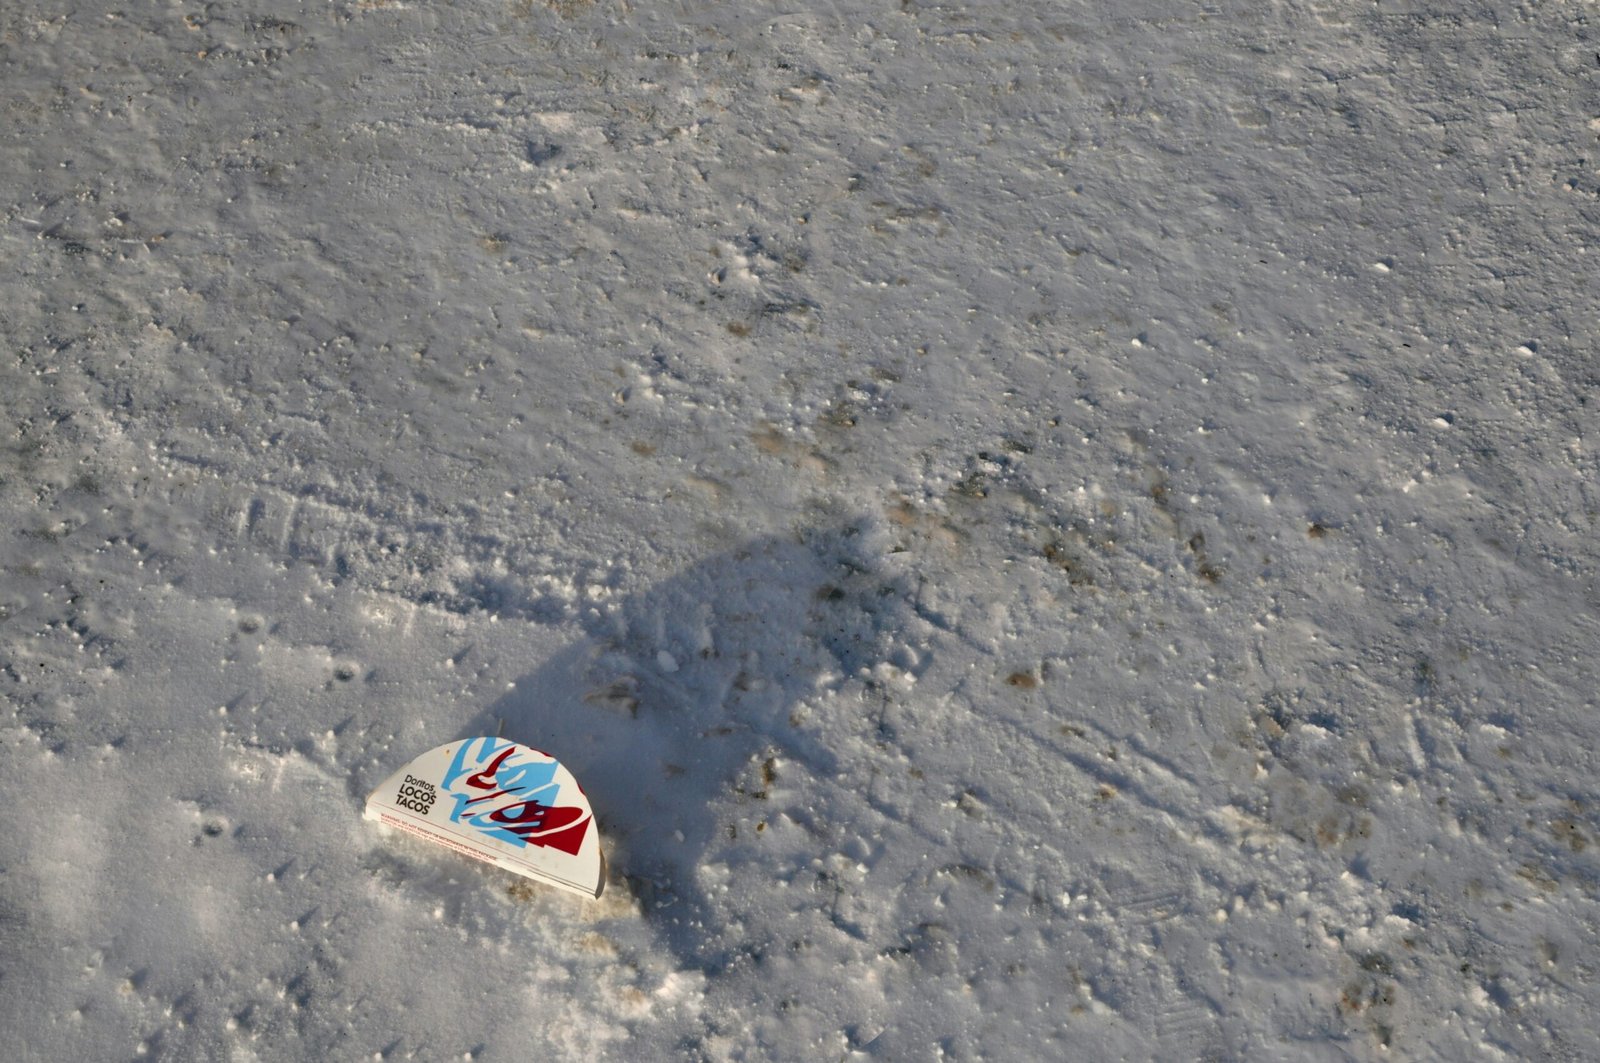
1045 530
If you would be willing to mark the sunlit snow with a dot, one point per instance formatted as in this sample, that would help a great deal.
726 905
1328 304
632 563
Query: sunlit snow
1044 530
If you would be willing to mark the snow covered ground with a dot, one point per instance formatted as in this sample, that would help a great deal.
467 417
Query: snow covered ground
1045 530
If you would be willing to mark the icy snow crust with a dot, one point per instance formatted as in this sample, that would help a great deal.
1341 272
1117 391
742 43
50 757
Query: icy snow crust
1045 531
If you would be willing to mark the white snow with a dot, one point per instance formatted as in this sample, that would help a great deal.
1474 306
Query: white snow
1045 530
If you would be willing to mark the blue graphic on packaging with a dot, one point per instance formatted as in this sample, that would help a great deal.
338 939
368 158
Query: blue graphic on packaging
503 794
